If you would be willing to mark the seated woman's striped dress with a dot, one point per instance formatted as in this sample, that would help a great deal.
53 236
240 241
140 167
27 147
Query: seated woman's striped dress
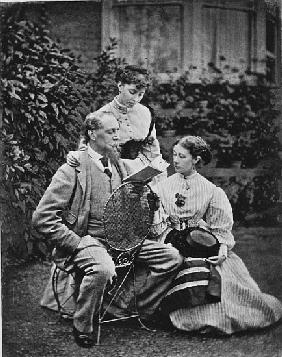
243 306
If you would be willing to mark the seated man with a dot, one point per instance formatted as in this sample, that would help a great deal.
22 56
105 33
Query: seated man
70 216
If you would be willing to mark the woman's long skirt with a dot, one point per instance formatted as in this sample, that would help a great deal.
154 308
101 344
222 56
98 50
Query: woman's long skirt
243 306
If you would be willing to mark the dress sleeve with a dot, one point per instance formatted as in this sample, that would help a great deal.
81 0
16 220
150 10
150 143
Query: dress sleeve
152 149
159 225
219 217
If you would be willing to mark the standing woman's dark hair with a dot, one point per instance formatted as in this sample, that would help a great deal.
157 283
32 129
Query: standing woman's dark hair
134 75
197 147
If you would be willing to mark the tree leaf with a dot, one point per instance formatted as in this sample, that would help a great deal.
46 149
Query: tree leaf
42 97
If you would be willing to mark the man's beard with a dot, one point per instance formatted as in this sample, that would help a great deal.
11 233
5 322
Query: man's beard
113 153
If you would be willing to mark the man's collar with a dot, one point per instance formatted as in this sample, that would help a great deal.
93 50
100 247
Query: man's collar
97 158
94 154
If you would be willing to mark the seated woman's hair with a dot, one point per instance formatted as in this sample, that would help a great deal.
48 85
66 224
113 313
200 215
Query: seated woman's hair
93 121
134 75
197 147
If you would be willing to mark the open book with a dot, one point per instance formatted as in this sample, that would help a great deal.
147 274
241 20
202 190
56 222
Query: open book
146 174
143 176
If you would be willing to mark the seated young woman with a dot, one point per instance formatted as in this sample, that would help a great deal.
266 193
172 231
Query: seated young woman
198 220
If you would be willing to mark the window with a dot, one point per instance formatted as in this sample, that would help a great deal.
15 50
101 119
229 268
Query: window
150 32
178 35
226 37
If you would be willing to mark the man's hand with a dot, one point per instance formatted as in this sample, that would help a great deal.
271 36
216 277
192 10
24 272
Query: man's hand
220 258
154 201
149 140
86 241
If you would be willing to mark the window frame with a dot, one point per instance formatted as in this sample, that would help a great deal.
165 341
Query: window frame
164 76
275 54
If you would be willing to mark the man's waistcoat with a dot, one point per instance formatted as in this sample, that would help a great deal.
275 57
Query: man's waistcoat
101 189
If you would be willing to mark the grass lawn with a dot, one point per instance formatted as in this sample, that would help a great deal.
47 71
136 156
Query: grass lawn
29 330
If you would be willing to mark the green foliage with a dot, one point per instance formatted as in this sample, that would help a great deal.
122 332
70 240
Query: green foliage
250 196
236 119
44 101
166 95
165 122
103 85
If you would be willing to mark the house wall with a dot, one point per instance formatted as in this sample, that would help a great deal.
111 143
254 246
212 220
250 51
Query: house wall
163 35
76 24
175 35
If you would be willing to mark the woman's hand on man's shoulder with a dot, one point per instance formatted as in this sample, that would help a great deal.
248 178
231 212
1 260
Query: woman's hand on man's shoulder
73 158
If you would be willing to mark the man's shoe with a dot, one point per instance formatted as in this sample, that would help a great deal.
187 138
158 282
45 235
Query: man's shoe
84 339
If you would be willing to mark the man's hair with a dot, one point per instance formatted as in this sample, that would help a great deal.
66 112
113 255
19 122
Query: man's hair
134 75
196 146
93 121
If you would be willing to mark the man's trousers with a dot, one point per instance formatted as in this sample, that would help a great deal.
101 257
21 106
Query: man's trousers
92 259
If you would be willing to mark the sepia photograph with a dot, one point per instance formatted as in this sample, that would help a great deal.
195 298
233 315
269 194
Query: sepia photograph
140 178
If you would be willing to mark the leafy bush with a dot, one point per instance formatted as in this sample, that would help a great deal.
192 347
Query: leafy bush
165 122
102 81
236 119
44 101
251 198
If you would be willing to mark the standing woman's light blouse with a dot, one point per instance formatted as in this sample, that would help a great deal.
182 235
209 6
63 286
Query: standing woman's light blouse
134 124
203 200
